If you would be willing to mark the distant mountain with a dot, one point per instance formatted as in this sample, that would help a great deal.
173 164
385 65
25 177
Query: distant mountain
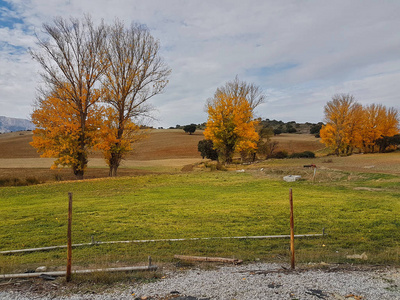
14 124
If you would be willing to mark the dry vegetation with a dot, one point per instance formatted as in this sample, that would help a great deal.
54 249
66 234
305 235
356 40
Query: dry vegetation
172 151
298 142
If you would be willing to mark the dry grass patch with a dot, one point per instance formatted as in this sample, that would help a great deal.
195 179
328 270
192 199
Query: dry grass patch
295 143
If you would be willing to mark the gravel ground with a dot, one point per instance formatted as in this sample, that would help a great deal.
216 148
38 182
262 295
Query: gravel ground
254 281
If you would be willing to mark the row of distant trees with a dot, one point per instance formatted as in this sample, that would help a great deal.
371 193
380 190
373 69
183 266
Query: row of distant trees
98 80
276 126
350 127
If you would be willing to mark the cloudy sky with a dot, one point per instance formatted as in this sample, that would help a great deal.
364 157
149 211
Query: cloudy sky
300 53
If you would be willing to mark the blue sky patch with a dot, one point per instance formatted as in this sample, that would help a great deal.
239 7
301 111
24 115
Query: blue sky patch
271 70
8 17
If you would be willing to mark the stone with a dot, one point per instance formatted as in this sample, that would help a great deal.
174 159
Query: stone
292 178
41 269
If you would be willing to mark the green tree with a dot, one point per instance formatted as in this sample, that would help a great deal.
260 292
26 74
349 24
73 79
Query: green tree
190 128
206 149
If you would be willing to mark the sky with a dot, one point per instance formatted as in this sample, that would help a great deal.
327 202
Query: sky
300 53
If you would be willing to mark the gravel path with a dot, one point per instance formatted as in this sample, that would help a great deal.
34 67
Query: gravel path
255 281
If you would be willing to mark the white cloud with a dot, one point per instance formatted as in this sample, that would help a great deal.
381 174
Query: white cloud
300 53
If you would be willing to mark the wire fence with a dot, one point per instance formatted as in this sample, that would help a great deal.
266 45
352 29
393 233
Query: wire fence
108 255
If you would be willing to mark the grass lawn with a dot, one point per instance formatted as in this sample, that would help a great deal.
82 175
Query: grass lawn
361 214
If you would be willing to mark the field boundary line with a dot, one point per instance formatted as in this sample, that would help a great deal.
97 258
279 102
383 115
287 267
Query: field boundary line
93 243
62 273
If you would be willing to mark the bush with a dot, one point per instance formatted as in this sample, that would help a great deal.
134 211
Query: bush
205 147
190 128
215 166
277 131
315 129
281 154
19 182
305 154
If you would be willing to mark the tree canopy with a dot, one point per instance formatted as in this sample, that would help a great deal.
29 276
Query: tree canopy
190 128
230 126
135 73
351 126
72 63
101 75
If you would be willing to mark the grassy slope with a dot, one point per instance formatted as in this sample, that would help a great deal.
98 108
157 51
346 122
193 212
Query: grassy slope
202 204
359 210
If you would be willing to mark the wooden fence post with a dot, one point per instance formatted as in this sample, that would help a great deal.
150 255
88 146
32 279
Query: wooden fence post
291 230
69 244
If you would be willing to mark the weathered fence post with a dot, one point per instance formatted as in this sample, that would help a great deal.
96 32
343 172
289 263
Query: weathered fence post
291 229
69 244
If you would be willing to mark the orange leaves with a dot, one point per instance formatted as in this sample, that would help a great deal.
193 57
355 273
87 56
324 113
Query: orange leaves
349 125
379 121
230 125
115 136
60 132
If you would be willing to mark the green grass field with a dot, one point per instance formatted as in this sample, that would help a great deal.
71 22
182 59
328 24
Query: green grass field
359 214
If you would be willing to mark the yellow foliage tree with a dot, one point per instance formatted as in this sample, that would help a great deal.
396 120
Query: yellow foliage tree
136 73
72 61
349 125
230 126
343 117
379 122
59 133
114 142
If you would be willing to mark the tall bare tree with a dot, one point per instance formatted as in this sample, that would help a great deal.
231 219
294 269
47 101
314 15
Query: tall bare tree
241 89
136 73
72 63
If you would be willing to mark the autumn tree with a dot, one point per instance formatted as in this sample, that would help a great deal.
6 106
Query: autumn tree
230 125
350 126
72 61
238 89
58 131
378 122
135 73
343 118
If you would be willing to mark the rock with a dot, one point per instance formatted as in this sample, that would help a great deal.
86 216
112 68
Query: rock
41 269
292 178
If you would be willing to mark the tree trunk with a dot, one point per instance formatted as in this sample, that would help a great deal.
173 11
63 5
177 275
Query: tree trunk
79 168
113 171
114 163
78 173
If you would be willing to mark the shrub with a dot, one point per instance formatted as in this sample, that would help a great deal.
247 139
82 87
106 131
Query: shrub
277 131
190 128
32 181
305 154
315 129
205 147
281 154
18 182
215 166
